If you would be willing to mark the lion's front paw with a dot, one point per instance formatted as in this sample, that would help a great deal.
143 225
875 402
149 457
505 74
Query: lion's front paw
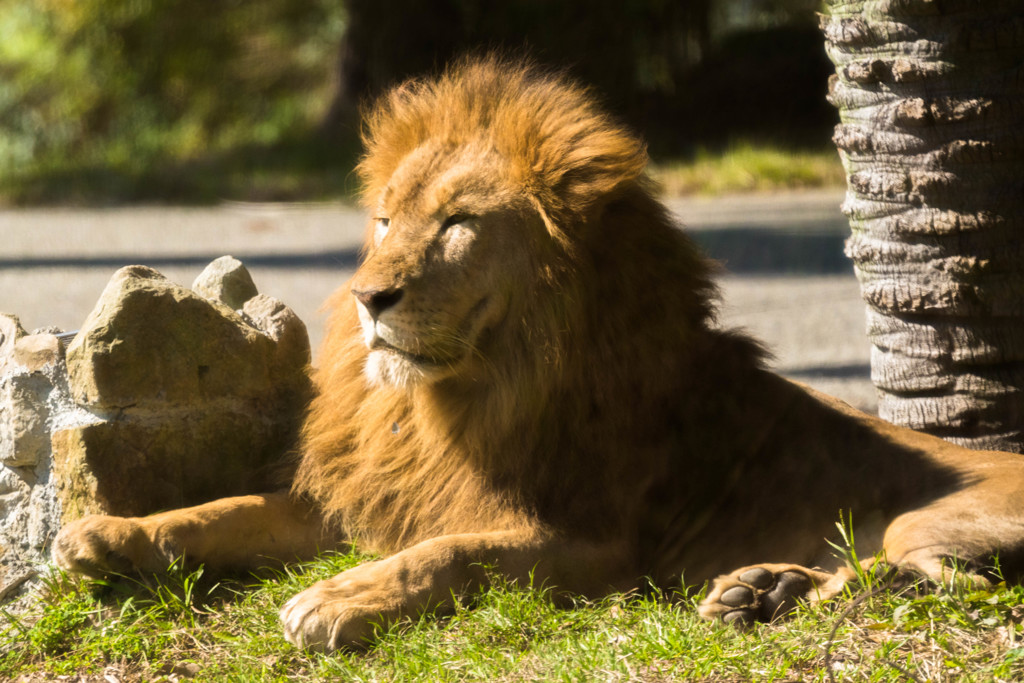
766 591
99 545
342 611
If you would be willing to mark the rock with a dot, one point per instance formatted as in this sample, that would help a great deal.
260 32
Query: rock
279 323
225 280
27 365
167 397
36 350
149 342
23 430
24 434
10 331
31 403
197 401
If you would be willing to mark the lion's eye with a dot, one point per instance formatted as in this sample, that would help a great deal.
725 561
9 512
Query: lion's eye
454 219
380 229
457 235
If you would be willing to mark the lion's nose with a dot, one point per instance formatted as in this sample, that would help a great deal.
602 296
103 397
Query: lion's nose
377 301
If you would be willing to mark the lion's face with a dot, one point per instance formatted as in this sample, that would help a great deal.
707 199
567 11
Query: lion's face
448 251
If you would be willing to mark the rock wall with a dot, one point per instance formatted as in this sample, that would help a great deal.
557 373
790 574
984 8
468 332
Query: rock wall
165 397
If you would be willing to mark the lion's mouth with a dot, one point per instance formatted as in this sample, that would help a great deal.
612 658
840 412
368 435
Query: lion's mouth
383 337
415 358
400 356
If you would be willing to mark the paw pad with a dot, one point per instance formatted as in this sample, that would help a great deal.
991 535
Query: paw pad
758 577
737 596
756 594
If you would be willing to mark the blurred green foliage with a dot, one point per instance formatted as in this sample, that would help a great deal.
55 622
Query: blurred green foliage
196 101
120 84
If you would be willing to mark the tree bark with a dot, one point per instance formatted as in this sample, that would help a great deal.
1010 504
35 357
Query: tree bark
931 133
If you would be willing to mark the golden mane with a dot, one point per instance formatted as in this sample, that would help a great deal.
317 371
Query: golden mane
561 147
623 289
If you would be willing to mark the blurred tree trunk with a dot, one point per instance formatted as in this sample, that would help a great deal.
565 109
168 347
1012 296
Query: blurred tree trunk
931 101
629 50
386 42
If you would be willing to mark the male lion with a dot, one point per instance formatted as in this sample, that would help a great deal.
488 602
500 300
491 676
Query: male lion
524 374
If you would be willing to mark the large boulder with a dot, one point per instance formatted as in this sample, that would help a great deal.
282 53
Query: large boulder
167 396
195 399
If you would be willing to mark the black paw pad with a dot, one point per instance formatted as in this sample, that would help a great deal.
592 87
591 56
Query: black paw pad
757 577
737 596
789 588
739 617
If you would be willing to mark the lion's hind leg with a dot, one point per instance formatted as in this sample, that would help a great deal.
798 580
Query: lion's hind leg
966 535
763 592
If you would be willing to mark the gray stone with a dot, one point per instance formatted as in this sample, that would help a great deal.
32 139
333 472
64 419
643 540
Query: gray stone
34 351
165 398
278 322
196 400
10 331
24 434
225 280
149 342
31 404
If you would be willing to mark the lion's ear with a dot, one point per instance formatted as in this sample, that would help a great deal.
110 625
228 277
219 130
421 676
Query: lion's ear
582 168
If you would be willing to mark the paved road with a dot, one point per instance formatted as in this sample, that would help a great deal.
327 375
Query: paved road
784 278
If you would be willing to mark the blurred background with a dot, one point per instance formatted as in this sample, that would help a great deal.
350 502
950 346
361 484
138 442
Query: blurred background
170 132
191 101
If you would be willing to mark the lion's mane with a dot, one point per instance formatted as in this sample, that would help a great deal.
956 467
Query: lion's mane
603 355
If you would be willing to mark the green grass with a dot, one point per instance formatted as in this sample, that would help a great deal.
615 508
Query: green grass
749 167
187 626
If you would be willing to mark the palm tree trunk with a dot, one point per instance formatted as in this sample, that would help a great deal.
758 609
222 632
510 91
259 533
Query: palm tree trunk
931 102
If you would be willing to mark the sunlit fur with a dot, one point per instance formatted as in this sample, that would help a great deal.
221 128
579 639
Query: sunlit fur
614 291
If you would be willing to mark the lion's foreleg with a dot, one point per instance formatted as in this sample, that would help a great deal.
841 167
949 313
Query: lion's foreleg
243 532
344 611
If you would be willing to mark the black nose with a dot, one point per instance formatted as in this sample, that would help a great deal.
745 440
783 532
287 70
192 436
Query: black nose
377 301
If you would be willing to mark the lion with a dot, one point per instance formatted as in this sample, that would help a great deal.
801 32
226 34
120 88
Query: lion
524 378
